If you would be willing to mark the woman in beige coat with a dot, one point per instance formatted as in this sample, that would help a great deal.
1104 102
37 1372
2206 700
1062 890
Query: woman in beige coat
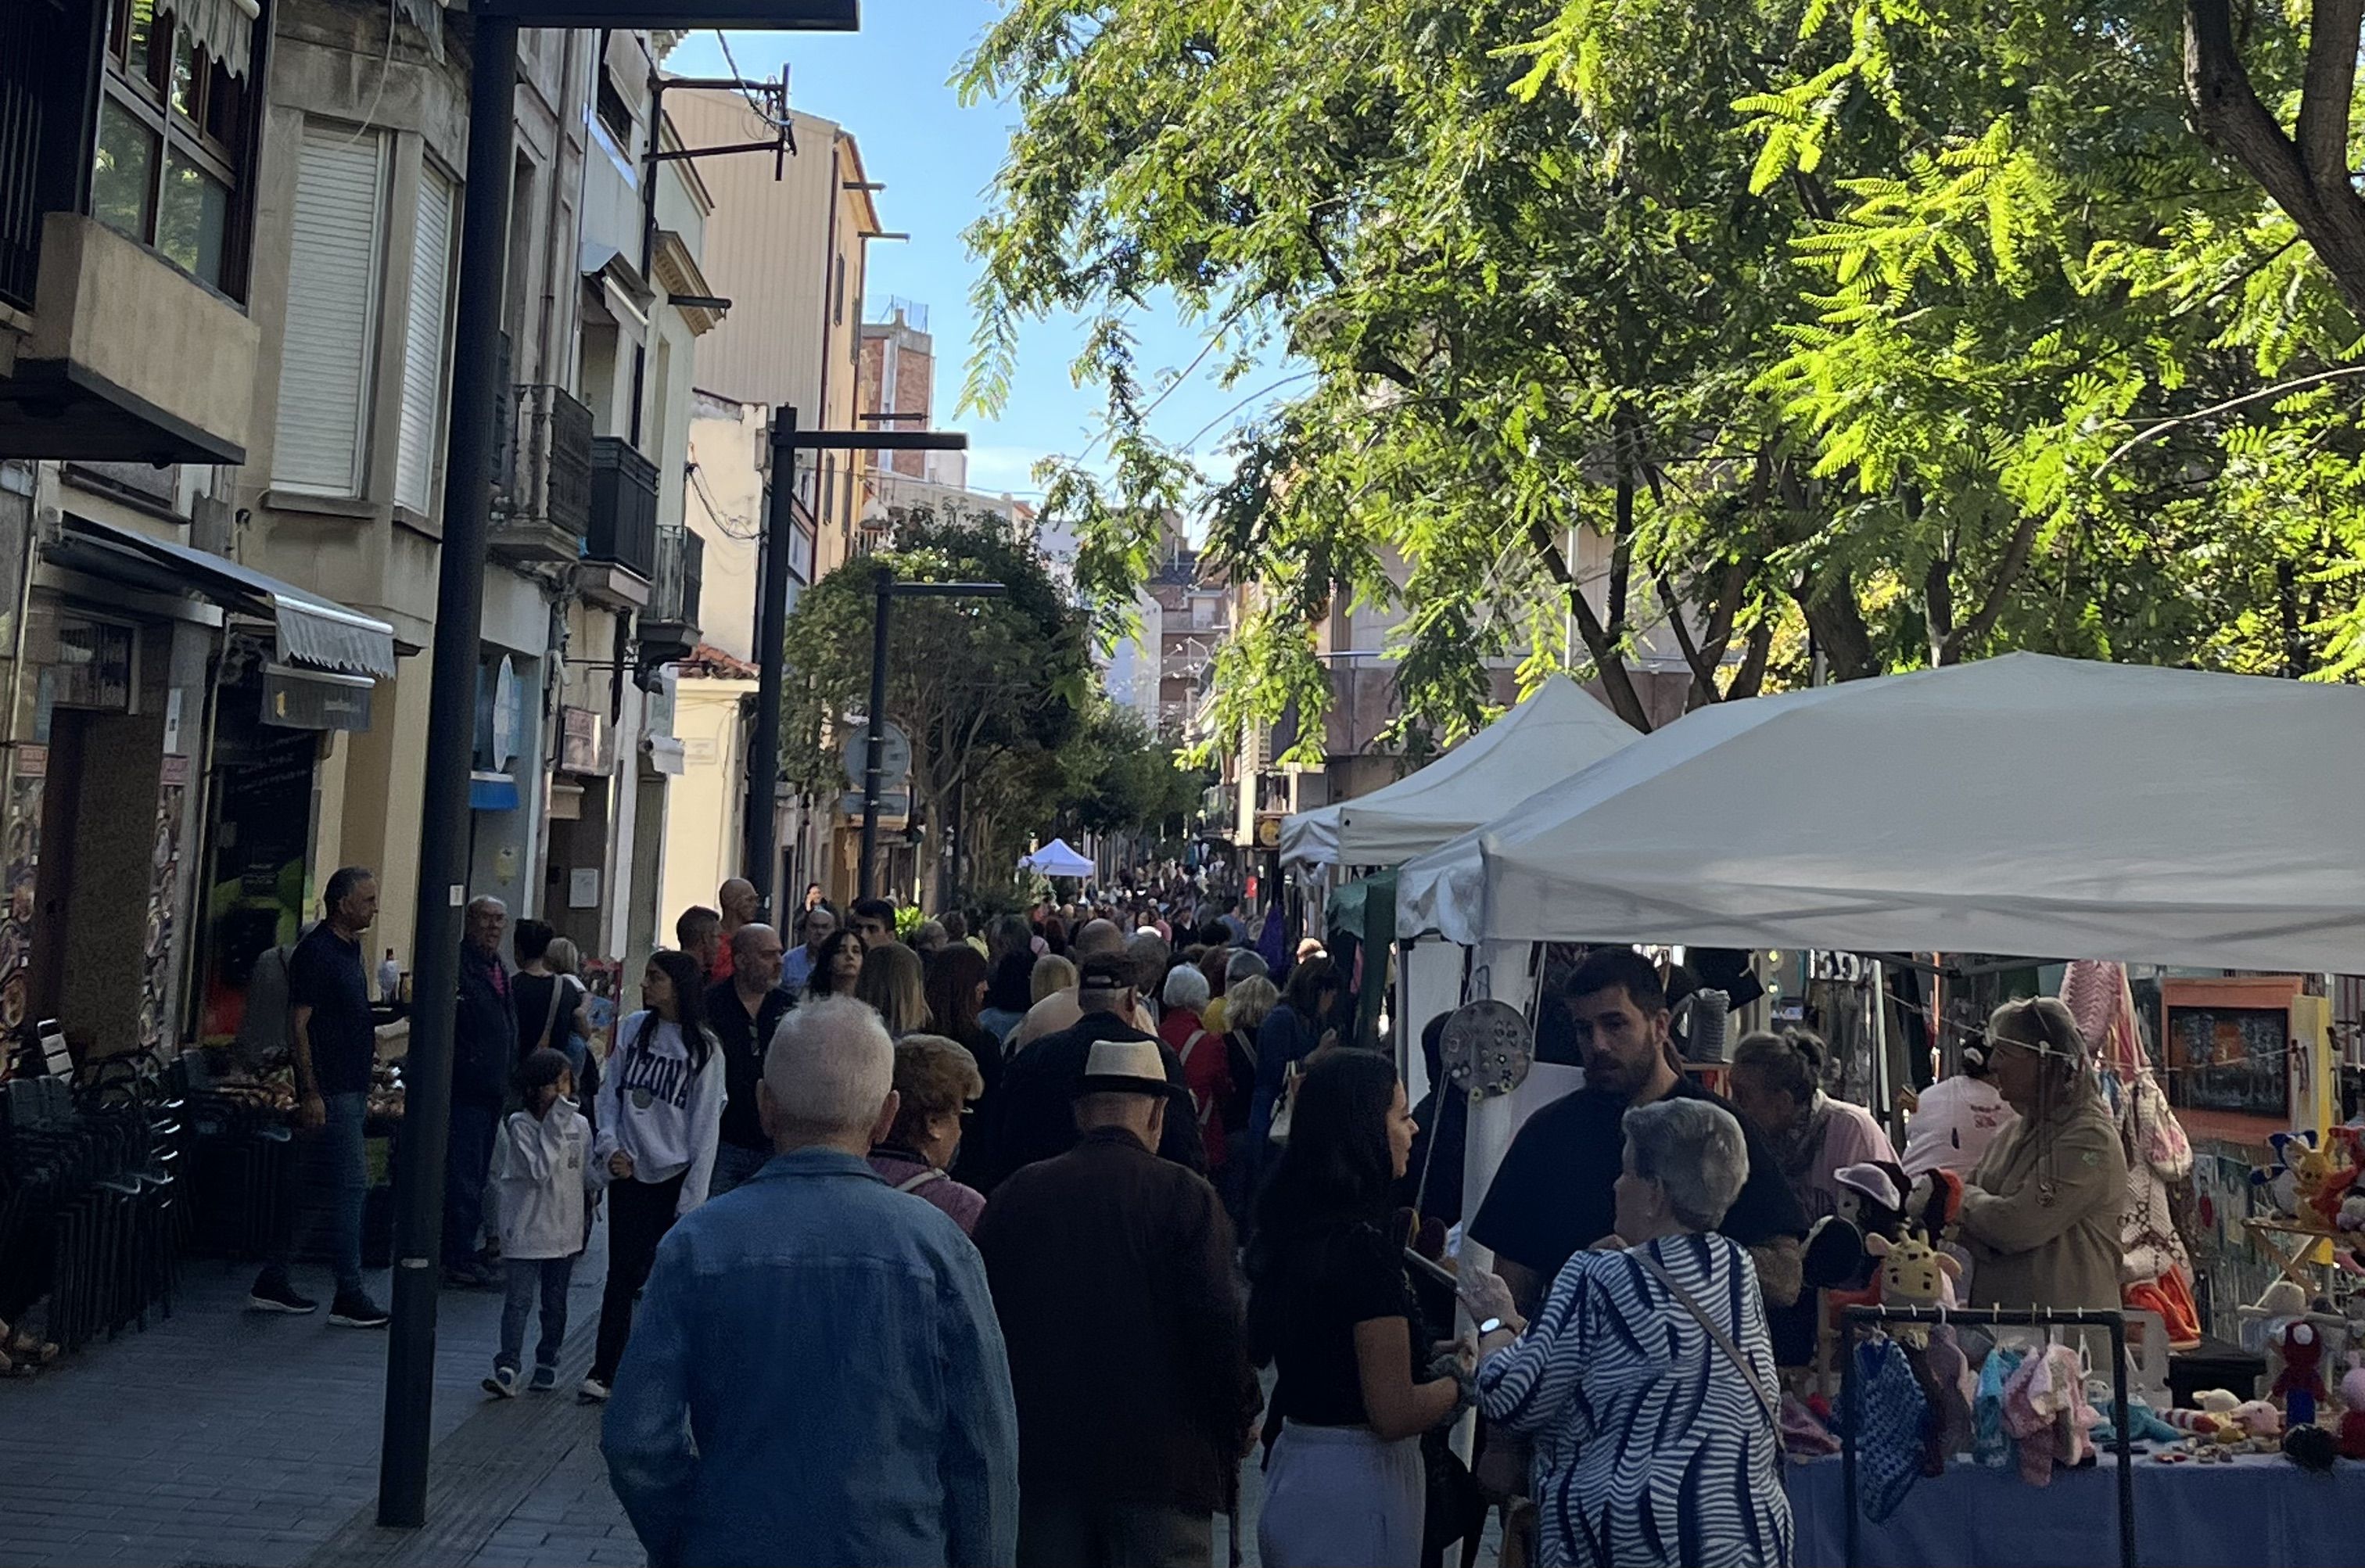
2041 1212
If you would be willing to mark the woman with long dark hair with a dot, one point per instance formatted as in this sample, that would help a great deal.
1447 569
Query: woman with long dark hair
660 1119
1007 995
838 965
956 994
1330 1309
1291 1033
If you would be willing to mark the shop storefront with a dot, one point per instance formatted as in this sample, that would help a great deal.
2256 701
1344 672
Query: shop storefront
171 710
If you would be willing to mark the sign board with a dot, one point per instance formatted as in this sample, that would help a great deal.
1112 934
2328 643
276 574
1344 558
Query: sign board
505 715
583 886
893 804
315 699
578 741
894 753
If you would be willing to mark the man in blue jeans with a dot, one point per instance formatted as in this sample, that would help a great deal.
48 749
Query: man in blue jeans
335 1047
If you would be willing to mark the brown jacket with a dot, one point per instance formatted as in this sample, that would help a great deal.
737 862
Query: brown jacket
1112 1274
2027 1251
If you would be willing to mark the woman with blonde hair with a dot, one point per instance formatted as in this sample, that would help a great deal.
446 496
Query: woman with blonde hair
2041 1210
1053 974
894 982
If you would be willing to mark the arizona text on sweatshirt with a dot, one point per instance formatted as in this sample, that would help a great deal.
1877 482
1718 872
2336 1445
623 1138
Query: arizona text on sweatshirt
657 1108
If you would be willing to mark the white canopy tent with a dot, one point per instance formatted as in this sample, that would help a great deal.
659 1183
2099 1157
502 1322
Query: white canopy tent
2023 805
1557 730
1056 859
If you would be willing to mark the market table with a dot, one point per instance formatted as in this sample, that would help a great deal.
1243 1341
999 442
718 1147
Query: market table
2261 1511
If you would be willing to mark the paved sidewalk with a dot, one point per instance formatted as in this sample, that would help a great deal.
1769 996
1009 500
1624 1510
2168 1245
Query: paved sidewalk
225 1436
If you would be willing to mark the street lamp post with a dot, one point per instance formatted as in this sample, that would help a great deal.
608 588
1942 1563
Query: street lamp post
886 590
760 815
476 394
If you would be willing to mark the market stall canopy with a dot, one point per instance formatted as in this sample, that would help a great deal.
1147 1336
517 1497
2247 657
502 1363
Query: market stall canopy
1557 730
1056 859
2024 804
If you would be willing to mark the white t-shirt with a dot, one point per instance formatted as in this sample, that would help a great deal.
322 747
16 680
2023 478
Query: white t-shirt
1959 1118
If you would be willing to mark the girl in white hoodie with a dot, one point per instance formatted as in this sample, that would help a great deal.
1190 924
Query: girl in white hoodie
543 1166
660 1117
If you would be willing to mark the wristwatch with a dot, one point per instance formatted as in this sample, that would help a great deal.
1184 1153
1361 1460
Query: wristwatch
1489 1326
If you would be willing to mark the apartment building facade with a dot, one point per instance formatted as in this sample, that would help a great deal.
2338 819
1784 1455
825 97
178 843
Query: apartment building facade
224 361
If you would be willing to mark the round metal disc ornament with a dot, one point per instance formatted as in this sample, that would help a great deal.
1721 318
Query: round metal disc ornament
1487 1047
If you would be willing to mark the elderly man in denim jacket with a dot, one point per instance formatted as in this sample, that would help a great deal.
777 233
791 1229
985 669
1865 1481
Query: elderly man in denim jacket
848 1400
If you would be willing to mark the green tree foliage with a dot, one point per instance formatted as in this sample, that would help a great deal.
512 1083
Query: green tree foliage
1121 778
977 683
1929 328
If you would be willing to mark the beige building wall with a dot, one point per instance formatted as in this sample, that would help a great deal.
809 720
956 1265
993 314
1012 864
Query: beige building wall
702 804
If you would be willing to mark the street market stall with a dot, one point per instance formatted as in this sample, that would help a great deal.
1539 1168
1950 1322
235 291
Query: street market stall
1557 730
2022 805
1056 859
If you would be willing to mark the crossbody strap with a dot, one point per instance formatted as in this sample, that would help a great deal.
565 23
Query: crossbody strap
1723 1340
913 1183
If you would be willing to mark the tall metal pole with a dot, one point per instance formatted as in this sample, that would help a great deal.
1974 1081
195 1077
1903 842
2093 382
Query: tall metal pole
451 744
760 831
874 746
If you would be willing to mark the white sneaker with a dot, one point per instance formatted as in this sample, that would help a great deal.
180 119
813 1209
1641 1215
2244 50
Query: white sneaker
591 1390
502 1385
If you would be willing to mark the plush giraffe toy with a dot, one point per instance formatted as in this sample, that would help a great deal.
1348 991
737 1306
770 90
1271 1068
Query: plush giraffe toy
1913 1273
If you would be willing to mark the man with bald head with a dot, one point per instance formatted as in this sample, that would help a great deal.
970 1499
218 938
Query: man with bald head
744 1012
740 908
828 1342
1061 1009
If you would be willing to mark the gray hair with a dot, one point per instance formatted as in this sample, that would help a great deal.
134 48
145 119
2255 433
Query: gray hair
830 1067
1186 986
563 956
1245 964
1149 954
1694 1151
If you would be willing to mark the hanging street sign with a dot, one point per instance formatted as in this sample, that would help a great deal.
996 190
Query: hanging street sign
894 754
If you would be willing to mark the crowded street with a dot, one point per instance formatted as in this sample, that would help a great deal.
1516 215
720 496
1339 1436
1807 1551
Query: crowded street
1181 783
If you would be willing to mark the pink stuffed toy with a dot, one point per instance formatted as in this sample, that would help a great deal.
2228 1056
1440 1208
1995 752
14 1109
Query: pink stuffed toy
2352 1424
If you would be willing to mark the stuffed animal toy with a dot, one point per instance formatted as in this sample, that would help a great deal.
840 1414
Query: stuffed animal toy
2301 1172
2352 1423
2333 1196
2301 1382
2221 1418
1913 1273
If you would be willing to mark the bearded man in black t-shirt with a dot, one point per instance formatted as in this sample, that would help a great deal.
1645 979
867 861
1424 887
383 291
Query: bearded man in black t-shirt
1553 1196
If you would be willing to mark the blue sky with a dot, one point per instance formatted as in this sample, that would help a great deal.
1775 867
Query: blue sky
889 85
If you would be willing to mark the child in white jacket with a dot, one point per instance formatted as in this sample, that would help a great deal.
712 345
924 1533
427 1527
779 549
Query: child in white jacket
543 1166
660 1117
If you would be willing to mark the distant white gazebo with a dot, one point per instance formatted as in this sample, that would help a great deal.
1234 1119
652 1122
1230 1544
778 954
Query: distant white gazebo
1056 859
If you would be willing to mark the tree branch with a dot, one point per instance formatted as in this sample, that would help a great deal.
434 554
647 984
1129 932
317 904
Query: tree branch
2007 573
1703 670
2328 90
1623 700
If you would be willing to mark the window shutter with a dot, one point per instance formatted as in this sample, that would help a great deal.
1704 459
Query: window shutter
331 322
423 344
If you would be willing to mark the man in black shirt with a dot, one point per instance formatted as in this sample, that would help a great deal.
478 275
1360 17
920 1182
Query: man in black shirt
1552 1197
1034 1116
335 1047
743 1011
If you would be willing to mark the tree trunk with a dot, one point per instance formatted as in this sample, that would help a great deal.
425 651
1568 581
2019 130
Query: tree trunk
2305 172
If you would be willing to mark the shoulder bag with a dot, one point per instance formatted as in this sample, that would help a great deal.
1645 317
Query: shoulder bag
1723 1340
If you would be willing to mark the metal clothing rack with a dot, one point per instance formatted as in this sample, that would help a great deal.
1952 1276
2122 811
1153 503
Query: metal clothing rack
1856 1317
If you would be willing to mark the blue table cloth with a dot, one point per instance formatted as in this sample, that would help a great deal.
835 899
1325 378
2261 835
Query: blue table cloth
2261 1511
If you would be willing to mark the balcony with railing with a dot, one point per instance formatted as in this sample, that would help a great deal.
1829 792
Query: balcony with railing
621 545
542 482
668 627
120 337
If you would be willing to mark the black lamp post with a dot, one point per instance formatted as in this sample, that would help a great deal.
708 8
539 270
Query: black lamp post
760 822
886 591
452 705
